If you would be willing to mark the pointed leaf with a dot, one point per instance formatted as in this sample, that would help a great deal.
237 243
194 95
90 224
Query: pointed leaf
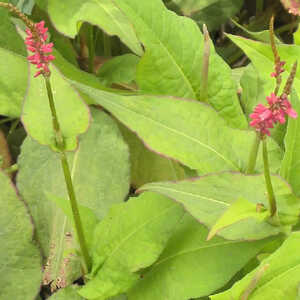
262 58
100 172
191 267
191 132
208 197
279 281
238 211
103 13
20 259
173 59
130 238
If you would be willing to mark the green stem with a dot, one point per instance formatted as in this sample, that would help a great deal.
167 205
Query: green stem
91 49
271 196
75 211
68 180
253 155
106 45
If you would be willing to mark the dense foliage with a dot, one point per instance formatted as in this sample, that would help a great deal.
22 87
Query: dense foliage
149 150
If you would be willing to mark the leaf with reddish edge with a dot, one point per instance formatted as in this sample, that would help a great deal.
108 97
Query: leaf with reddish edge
185 130
208 197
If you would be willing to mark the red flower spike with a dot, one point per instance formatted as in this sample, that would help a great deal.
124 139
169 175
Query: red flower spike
36 43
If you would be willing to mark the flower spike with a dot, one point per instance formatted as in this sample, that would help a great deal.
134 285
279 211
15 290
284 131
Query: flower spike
36 43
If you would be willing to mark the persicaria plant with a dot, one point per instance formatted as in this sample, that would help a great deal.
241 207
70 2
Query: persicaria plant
131 157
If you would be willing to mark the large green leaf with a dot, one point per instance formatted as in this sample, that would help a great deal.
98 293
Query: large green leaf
100 172
13 81
290 168
104 13
277 276
188 131
208 197
72 112
147 166
20 260
173 59
191 267
129 239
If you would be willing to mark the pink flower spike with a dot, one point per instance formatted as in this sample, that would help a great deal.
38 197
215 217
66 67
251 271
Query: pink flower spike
36 43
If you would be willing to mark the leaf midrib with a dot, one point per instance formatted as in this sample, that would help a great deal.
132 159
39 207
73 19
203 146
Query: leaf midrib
139 114
165 49
189 251
185 193
126 238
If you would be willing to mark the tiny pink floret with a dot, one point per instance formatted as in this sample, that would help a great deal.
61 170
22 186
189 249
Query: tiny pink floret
40 48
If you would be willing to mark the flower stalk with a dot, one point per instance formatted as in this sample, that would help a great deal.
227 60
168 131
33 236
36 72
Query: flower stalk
270 191
253 154
205 66
68 179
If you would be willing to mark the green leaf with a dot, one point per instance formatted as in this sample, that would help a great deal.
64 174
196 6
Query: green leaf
192 132
20 263
191 267
72 112
9 38
290 168
130 238
100 172
68 293
263 36
103 13
13 79
236 212
208 197
88 218
210 12
280 279
120 69
173 59
147 166
262 58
